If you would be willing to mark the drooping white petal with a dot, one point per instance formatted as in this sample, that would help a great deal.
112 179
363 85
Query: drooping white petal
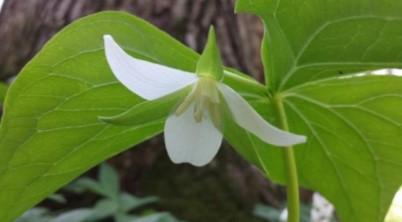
146 79
246 117
190 142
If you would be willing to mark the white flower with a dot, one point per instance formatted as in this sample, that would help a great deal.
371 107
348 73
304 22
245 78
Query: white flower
192 132
322 210
283 217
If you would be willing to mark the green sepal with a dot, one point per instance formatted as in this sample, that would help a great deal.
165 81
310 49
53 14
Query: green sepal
140 113
210 63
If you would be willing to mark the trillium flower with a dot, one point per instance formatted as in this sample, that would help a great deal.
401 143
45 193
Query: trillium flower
193 131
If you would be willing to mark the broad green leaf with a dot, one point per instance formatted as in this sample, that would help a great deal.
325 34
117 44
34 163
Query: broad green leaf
353 154
310 40
51 132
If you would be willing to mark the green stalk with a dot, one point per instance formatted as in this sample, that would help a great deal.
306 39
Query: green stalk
291 170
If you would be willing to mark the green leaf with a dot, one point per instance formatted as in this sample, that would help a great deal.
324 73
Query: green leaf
58 198
267 212
353 156
353 153
103 209
35 214
139 114
157 217
122 217
109 180
129 202
306 41
273 214
51 132
83 184
78 215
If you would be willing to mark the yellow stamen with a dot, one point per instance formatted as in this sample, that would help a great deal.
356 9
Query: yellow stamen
205 96
215 115
186 103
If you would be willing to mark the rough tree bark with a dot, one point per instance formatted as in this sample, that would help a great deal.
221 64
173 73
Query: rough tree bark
26 25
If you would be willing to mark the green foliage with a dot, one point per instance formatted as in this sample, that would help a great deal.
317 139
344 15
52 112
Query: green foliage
273 215
354 153
361 159
308 41
50 132
114 204
43 215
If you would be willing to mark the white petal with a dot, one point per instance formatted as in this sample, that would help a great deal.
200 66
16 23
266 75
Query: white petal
190 142
246 117
146 79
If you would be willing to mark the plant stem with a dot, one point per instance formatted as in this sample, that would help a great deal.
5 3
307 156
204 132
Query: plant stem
291 170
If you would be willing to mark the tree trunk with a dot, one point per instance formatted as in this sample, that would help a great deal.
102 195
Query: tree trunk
27 25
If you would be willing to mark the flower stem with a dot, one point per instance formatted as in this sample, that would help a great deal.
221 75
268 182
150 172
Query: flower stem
291 170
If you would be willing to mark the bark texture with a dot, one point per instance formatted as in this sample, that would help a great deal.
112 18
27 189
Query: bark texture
27 25
229 182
